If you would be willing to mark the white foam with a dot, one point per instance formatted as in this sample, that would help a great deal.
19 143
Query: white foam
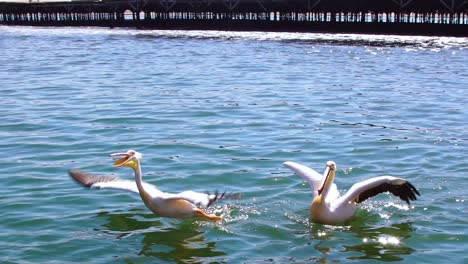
412 43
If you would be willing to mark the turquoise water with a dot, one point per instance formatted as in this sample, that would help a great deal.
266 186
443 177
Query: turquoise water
222 111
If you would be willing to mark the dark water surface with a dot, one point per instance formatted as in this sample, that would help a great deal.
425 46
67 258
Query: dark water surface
222 111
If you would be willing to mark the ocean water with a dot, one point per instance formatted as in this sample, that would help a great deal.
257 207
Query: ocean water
222 111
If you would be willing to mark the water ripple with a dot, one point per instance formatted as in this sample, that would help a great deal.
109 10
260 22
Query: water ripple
222 111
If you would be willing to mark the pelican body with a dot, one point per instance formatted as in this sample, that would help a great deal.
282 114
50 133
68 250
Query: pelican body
328 207
180 205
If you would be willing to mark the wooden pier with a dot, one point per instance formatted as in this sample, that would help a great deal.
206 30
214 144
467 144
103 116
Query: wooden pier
422 17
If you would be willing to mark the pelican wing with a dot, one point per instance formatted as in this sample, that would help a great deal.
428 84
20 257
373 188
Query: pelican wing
312 177
199 199
110 182
361 191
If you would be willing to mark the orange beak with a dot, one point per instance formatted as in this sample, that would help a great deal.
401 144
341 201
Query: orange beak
122 161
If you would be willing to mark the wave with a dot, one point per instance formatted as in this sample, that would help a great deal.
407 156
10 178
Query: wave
419 42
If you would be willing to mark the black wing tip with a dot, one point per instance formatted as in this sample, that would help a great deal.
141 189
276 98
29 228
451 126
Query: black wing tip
80 177
409 193
413 188
217 196
72 172
223 195
87 179
233 196
402 189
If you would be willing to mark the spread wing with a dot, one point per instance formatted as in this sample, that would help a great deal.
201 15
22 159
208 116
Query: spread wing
312 177
364 190
110 182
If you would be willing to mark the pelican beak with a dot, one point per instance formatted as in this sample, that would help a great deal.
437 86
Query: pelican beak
327 175
125 158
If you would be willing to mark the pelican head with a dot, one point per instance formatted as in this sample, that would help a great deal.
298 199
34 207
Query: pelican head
128 159
328 177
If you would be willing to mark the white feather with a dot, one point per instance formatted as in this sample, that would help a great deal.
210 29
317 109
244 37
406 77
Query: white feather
313 178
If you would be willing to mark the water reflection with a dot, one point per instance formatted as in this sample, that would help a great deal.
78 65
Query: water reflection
381 243
377 243
179 241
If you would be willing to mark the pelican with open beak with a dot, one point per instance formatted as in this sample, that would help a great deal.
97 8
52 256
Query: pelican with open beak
180 205
329 208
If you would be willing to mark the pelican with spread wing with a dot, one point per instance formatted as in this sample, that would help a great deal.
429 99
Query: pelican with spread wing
180 205
328 207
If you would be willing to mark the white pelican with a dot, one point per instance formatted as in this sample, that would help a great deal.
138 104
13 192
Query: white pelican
180 205
329 208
